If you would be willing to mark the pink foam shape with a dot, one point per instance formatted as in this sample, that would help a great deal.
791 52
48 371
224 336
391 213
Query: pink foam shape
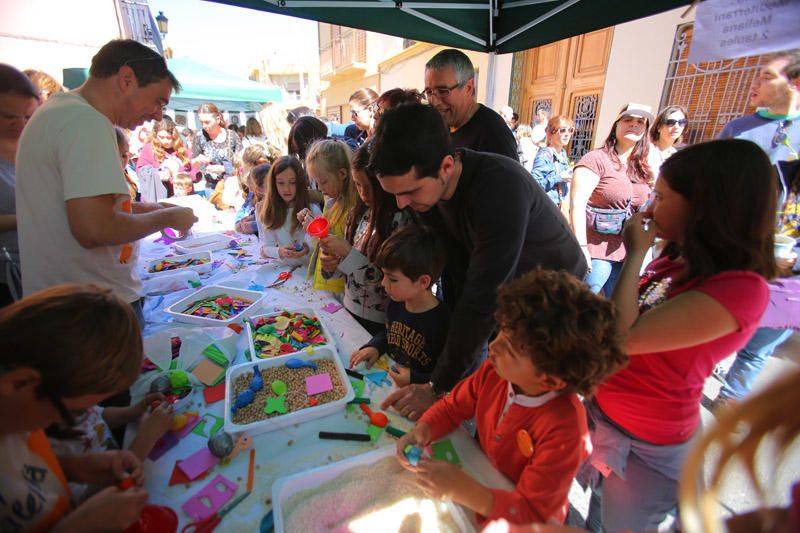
318 384
331 307
210 498
197 463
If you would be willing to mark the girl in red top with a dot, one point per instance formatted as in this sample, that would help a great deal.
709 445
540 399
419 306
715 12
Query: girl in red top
699 302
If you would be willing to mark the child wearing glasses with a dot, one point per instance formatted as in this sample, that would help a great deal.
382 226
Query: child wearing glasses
66 348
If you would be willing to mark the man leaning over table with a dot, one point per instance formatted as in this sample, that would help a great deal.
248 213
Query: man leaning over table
75 216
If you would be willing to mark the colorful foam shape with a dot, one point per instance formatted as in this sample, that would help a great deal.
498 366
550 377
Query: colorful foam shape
164 444
197 463
378 379
374 432
192 419
210 498
318 384
275 405
208 372
214 394
178 477
445 451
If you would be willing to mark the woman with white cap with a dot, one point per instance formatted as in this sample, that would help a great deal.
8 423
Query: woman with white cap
609 185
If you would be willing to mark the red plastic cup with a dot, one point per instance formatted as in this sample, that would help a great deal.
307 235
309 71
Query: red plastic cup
318 228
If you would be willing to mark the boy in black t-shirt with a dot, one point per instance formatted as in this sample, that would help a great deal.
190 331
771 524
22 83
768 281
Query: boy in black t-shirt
416 322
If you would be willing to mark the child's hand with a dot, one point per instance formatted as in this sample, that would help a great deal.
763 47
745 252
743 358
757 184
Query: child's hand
288 252
305 217
634 235
245 225
441 479
152 427
335 245
368 354
103 468
329 262
419 436
402 377
147 401
111 509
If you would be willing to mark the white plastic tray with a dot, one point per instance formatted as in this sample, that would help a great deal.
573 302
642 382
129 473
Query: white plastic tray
310 312
200 269
296 417
206 243
283 488
176 310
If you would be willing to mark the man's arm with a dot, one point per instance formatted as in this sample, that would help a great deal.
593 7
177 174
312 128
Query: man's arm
97 221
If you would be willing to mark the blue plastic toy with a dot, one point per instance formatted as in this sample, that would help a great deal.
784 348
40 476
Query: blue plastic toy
295 363
257 383
413 454
243 399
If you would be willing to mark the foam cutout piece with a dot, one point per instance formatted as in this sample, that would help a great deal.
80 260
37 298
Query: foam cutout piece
210 498
197 463
214 394
179 478
318 384
164 444
193 420
331 308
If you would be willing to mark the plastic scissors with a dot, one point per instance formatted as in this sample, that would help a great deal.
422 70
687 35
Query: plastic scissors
209 523
283 277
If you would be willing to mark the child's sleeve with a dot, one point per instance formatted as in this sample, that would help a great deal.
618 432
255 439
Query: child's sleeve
541 494
379 341
268 242
457 406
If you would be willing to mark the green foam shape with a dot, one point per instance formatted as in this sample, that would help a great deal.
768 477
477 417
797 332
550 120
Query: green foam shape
445 451
275 405
374 432
358 387
279 387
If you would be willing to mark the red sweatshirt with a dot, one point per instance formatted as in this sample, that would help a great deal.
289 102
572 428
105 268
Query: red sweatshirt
556 424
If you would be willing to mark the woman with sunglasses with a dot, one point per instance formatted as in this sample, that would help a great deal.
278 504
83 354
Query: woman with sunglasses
608 185
551 168
362 112
666 132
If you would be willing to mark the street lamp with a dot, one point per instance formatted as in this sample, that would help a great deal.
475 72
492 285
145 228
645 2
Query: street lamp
162 22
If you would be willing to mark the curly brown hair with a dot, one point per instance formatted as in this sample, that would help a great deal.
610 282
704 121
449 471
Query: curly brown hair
567 331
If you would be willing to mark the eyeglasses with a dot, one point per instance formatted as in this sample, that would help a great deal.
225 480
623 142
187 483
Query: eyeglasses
670 122
355 112
569 130
441 92
781 135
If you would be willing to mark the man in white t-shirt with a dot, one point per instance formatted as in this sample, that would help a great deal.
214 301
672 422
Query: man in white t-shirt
75 216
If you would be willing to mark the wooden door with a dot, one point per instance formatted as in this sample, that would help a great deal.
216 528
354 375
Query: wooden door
567 77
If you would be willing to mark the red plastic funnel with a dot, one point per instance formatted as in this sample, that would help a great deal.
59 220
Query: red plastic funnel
318 228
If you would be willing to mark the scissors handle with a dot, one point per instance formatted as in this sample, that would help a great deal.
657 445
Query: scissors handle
205 525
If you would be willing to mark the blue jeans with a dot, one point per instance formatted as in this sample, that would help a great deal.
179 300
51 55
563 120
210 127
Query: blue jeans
750 360
603 276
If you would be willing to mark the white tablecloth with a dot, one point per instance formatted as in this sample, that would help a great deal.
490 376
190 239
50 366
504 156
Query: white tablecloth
284 451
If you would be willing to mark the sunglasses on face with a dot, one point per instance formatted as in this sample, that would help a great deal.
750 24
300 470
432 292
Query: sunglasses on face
670 122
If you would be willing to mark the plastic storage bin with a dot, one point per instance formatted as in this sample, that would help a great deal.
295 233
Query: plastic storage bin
310 312
296 417
283 488
207 243
200 269
177 309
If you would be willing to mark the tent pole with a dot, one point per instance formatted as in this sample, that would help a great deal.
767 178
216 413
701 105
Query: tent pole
490 75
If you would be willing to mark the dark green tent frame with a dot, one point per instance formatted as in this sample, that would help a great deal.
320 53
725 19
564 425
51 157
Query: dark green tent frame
499 26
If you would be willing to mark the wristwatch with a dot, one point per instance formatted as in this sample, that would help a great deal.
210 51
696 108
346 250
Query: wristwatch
437 392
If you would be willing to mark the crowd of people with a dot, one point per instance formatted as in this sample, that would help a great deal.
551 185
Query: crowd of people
571 310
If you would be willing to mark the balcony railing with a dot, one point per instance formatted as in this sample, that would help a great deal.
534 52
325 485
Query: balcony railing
346 50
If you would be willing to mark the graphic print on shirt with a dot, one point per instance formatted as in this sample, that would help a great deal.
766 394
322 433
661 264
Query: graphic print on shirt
409 341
